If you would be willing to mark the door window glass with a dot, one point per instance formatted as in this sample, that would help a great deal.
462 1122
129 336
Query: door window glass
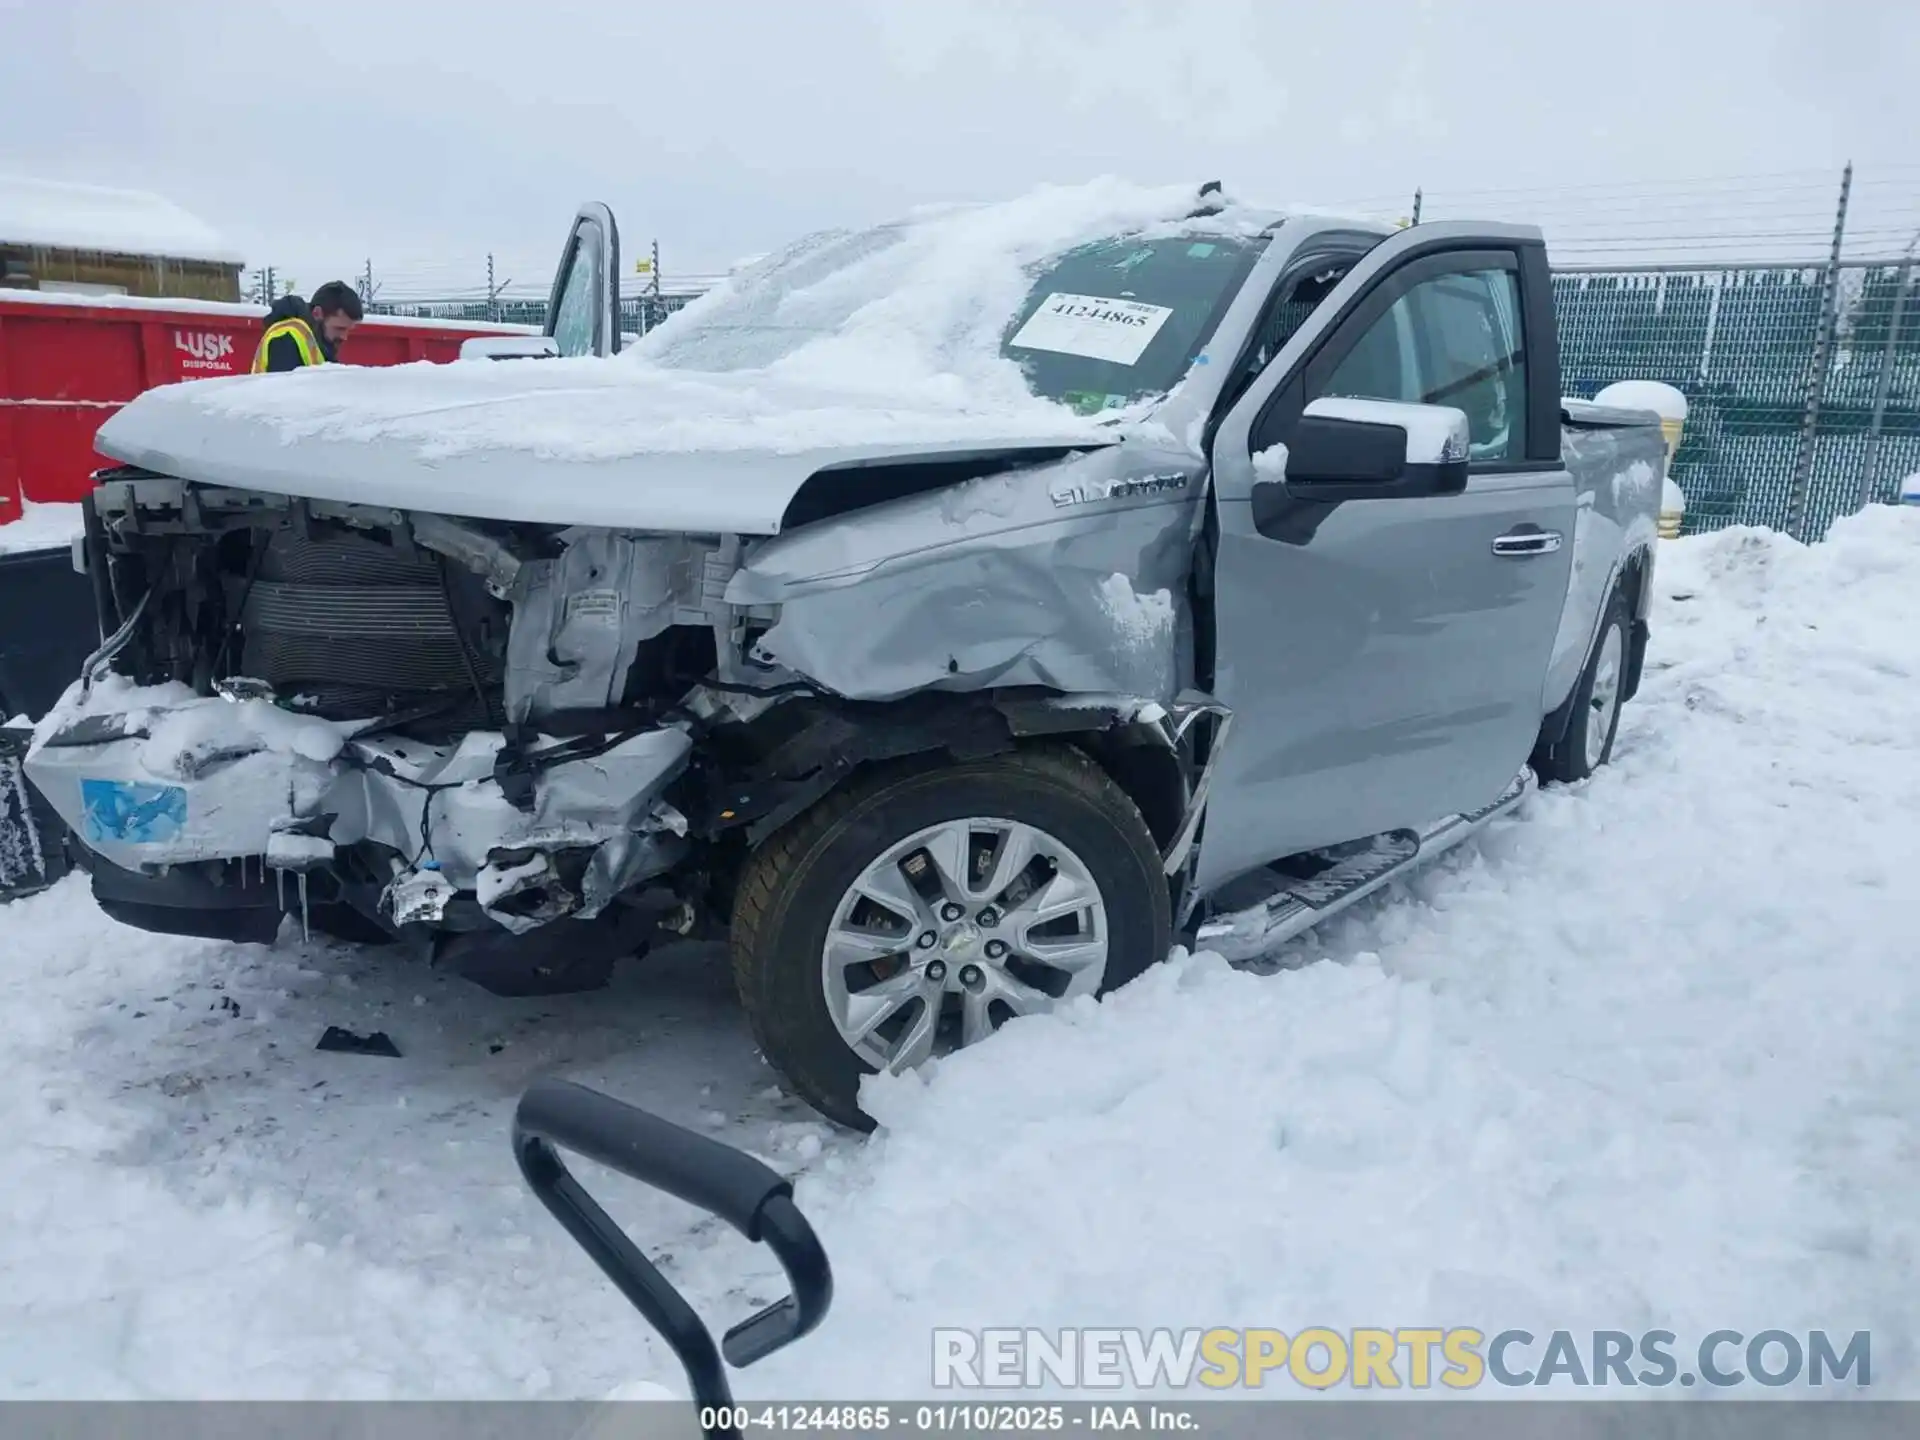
1380 365
1470 354
573 319
1452 340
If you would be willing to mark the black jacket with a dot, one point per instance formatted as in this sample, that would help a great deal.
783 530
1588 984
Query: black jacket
283 353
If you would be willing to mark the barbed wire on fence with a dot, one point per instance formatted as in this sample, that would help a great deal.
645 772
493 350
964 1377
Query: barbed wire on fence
1777 218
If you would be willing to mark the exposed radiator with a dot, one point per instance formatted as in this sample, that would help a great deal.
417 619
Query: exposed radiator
356 627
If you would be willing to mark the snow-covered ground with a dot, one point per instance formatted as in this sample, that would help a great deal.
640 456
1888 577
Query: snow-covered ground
41 527
1644 1056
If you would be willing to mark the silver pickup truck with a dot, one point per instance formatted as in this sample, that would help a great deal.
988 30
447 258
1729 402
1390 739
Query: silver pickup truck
1220 566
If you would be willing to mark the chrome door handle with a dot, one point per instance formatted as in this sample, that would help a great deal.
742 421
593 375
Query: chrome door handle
1518 544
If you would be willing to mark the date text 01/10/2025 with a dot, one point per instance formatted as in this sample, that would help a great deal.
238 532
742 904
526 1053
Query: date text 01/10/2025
948 1419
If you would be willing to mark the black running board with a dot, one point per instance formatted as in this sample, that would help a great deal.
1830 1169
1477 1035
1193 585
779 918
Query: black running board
1300 905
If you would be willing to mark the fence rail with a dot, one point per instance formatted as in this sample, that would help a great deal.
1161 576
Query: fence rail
638 313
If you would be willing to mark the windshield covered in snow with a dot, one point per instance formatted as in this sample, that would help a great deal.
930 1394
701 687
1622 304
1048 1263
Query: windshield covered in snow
1084 301
950 326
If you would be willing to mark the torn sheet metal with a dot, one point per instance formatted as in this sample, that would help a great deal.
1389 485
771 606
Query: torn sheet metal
522 894
418 897
579 619
171 780
158 775
1069 576
442 803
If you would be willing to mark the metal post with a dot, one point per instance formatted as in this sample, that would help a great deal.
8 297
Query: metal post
647 307
493 295
1417 198
366 283
1822 364
1883 384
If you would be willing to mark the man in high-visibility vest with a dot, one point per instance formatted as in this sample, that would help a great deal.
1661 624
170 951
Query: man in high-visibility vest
301 332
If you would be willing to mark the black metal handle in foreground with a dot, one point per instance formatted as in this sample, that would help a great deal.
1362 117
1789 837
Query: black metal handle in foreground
558 1115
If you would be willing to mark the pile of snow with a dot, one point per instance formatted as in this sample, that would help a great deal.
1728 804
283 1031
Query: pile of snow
924 299
198 1203
1140 621
41 527
1664 400
889 336
1641 1057
181 727
66 216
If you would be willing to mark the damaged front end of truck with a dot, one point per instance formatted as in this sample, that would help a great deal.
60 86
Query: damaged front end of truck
529 748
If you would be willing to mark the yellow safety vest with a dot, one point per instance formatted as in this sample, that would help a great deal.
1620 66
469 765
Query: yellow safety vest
303 337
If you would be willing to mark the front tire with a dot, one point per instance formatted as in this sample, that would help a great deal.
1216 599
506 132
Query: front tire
1588 743
918 909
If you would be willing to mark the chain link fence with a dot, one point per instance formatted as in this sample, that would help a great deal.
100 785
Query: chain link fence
638 313
1793 418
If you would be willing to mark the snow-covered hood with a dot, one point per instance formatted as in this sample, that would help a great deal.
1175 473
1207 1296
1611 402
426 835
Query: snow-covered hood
846 347
615 443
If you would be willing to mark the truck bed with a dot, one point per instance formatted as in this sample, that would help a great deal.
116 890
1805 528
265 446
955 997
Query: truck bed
1618 460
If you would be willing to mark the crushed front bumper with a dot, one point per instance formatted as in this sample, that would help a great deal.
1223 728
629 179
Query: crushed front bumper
204 782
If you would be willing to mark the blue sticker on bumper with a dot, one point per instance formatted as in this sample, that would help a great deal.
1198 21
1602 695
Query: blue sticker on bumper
132 814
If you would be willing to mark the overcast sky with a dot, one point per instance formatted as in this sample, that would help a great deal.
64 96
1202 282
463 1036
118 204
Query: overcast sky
424 134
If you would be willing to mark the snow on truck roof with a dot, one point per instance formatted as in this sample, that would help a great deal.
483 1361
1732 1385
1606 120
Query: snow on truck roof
61 215
896 332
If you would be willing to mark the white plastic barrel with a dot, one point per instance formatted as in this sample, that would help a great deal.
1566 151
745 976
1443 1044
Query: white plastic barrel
1673 509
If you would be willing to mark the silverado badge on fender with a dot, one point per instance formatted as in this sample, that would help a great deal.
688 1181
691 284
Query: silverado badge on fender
1084 492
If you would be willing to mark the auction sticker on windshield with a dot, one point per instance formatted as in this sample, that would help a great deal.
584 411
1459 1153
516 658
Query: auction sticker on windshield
1093 326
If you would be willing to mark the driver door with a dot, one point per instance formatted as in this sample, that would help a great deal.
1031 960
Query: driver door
1385 653
583 310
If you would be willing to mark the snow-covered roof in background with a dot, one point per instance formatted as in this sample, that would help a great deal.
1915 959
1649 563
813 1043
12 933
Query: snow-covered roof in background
169 305
93 217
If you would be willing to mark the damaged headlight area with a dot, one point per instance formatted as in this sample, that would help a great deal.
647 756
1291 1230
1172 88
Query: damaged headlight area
595 824
529 747
409 832
387 724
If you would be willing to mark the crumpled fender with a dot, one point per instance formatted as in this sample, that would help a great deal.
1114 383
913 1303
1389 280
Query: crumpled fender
1070 576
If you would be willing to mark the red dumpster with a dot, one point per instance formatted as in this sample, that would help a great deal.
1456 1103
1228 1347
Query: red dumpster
67 362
